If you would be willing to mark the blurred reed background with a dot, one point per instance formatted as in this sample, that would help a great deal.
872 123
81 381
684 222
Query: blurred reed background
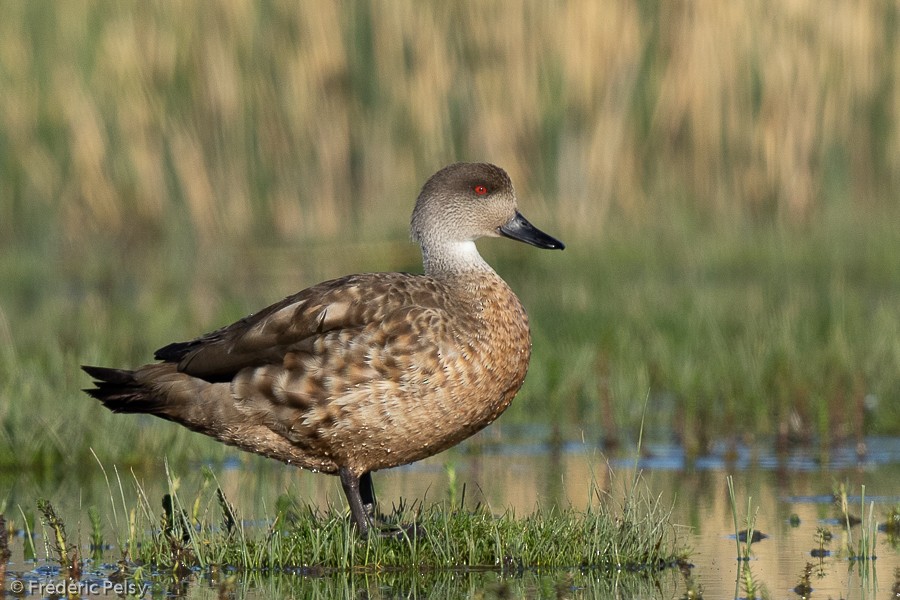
724 173
301 118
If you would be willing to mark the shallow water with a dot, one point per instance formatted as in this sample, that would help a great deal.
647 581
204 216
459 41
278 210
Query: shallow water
791 495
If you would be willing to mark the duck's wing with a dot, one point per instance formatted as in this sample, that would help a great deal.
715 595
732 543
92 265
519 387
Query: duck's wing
297 322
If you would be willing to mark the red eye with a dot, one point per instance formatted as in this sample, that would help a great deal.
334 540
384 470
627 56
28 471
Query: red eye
480 190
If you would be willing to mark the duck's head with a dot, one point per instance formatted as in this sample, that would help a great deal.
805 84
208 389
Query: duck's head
465 201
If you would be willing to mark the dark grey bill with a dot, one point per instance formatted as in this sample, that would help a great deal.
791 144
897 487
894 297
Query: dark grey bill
520 229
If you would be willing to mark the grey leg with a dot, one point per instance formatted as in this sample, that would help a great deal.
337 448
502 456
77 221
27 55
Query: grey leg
350 483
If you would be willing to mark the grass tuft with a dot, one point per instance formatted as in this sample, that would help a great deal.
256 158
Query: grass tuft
632 535
97 543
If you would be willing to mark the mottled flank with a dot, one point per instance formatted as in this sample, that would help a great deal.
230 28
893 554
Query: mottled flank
367 371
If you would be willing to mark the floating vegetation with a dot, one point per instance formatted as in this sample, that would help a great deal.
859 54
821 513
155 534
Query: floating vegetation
804 586
891 525
753 537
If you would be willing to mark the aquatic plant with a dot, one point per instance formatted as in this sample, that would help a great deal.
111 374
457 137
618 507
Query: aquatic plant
748 535
66 552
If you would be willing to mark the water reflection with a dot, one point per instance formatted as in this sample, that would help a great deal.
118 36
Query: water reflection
793 497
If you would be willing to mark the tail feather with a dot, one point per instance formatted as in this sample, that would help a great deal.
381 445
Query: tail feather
161 390
120 391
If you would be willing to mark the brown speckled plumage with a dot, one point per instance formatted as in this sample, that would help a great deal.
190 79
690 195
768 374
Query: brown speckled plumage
364 372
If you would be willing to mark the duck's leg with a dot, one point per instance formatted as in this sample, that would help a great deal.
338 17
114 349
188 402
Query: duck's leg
361 496
367 493
350 483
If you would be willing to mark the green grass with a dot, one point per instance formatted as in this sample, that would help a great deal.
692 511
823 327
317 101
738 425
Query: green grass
745 333
454 539
199 529
754 329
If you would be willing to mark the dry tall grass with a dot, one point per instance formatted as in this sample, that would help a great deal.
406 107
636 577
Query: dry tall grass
302 118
